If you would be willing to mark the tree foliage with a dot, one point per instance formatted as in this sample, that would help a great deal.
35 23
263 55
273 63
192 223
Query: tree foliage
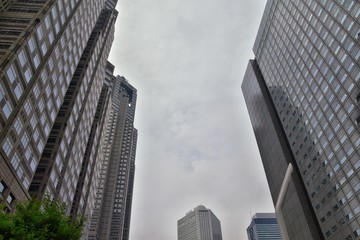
40 220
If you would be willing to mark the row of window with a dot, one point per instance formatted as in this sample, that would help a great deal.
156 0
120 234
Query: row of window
303 57
88 111
5 193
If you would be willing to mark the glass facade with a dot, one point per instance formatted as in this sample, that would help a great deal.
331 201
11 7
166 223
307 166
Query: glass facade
308 56
276 155
264 226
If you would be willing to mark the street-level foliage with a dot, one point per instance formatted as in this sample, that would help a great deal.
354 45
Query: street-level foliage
40 220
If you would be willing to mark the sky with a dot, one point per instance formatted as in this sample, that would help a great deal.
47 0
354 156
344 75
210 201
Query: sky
187 59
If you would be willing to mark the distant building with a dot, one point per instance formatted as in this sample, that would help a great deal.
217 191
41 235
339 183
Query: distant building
111 214
199 224
302 94
264 226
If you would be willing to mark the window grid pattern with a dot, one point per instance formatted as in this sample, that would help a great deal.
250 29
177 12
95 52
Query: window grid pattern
37 77
310 61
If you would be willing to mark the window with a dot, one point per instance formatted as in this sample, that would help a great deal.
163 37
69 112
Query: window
40 33
54 13
28 75
350 173
28 108
357 164
43 49
7 146
357 210
47 22
36 61
18 126
26 183
51 37
31 44
25 140
50 64
10 199
11 74
18 91
2 93
357 187
349 216
2 187
7 109
33 122
15 161
22 58
349 194
33 165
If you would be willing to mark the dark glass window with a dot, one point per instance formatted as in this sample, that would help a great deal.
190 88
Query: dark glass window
2 187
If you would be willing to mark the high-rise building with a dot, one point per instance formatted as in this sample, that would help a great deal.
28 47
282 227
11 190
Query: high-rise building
302 93
111 217
199 224
66 123
263 226
52 59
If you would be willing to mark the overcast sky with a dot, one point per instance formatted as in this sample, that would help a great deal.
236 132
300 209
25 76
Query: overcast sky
187 59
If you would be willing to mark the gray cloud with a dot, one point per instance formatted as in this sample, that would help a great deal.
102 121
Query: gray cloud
196 146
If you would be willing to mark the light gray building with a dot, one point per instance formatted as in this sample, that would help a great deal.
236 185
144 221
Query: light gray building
199 224
112 211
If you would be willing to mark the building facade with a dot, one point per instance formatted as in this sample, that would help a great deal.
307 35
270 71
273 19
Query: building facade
66 123
111 217
264 226
45 88
199 224
302 93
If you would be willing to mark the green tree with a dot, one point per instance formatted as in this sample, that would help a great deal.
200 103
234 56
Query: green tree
40 220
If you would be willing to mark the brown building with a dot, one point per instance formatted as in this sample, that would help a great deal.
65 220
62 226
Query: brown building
66 123
52 67
45 50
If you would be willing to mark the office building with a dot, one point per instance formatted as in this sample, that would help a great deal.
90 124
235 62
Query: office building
66 123
199 224
302 93
263 226
111 215
52 59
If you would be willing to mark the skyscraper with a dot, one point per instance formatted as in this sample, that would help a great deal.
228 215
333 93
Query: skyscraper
263 226
302 93
64 117
111 217
52 58
199 224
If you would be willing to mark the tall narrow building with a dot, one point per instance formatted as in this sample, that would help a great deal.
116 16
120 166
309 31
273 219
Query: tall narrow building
264 226
111 217
199 224
302 93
